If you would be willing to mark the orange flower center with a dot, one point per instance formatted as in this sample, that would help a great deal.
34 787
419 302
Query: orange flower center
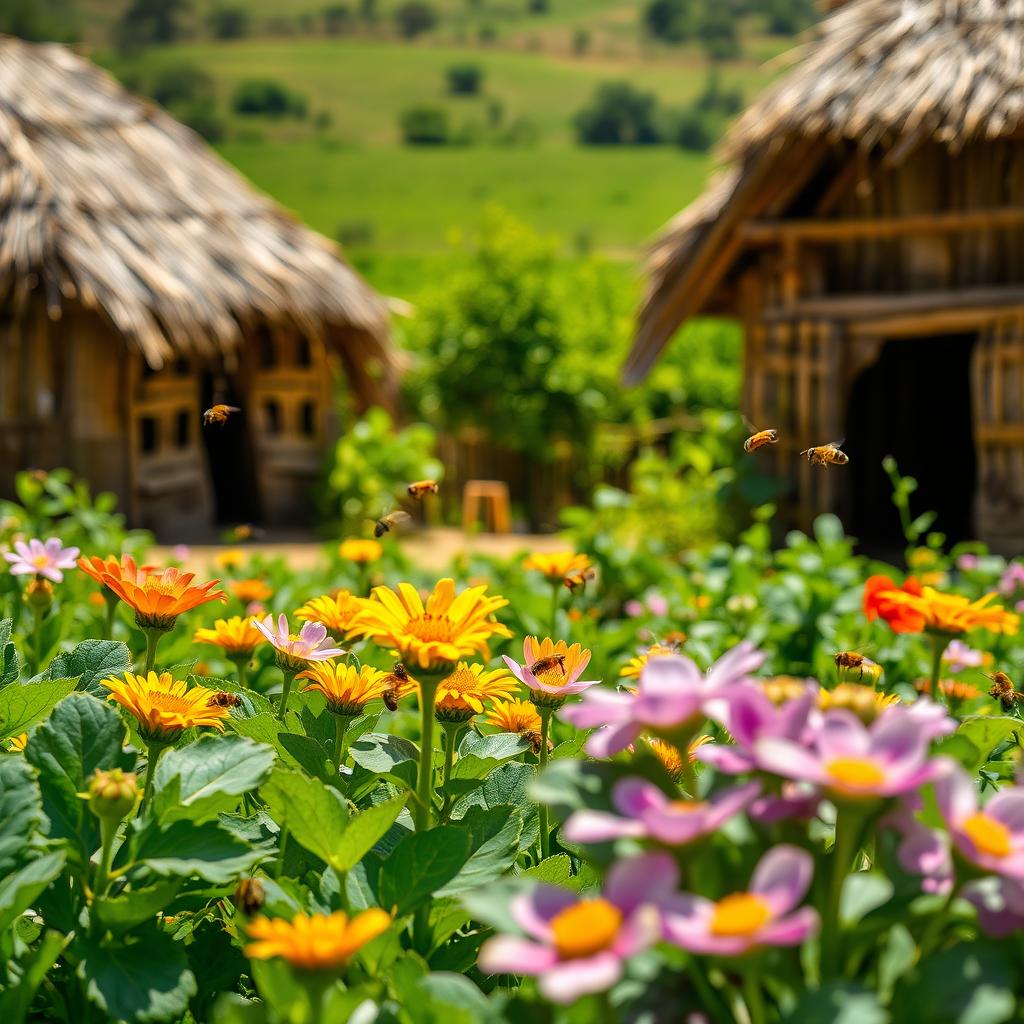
585 928
988 835
170 702
742 913
855 773
687 806
431 629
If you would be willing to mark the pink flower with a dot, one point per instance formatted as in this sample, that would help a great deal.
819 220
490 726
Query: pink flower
959 656
1000 905
647 813
922 850
1012 579
577 945
562 679
657 605
932 719
762 916
853 761
991 838
311 644
41 558
181 552
967 562
672 696
634 608
795 801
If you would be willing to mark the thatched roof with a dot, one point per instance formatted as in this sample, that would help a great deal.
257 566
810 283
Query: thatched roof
108 201
891 73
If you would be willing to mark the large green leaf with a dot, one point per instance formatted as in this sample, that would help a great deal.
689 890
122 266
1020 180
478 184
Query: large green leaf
146 979
863 891
123 912
90 662
21 811
508 785
23 706
841 1003
378 752
314 814
421 864
987 731
212 773
295 751
184 848
20 888
363 831
10 668
494 844
16 999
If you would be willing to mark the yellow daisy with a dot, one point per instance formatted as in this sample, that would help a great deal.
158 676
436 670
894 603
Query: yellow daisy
336 611
348 689
669 756
17 743
230 558
555 566
519 716
236 636
165 707
864 701
361 551
461 694
635 665
315 942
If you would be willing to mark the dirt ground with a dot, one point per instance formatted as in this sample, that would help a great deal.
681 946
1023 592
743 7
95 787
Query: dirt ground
431 549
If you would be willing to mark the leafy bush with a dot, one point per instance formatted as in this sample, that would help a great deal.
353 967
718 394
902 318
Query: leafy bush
692 130
424 126
716 30
415 17
267 96
669 20
787 17
181 84
619 114
39 20
336 19
465 79
228 22
149 22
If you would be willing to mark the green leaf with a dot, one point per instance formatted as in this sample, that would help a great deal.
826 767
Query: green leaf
309 754
16 1000
185 848
294 753
21 811
314 814
987 731
20 888
863 891
508 784
212 773
147 979
841 1002
232 1008
445 998
897 957
494 845
22 706
90 662
363 831
378 752
556 870
123 912
421 864
498 746
10 667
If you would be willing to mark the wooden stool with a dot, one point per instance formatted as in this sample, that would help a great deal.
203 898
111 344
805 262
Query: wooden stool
494 495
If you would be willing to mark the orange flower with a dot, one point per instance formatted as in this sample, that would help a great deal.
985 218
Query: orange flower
165 707
954 689
18 743
461 694
519 716
249 591
159 596
954 613
880 601
315 942
668 754
348 689
236 636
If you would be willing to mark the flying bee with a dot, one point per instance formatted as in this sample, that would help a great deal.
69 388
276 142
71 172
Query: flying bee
758 438
827 455
218 414
389 521
223 699
1004 691
547 664
395 678
578 579
422 488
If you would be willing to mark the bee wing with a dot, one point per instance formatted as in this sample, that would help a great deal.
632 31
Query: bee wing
835 444
751 429
231 408
399 517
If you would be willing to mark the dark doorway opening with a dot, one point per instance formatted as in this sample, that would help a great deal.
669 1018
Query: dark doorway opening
914 403
228 454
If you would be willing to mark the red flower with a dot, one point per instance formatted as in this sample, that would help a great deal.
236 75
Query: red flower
877 604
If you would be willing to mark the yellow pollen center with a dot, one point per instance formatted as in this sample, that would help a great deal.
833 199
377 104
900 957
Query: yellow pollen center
585 928
855 773
742 913
988 835
170 702
40 561
429 628
687 806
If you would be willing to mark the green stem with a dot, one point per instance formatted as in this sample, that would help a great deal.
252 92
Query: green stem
340 725
938 649
289 678
241 668
424 807
108 830
932 934
282 842
452 730
152 639
108 623
37 640
753 996
542 758
849 823
153 752
556 591
709 998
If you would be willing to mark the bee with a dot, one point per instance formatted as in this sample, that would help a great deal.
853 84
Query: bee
1004 691
389 521
218 414
533 737
246 531
422 488
397 676
547 664
827 455
758 438
249 896
855 661
578 579
223 699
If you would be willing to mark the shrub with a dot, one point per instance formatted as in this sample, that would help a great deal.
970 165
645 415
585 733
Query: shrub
39 20
787 17
204 120
355 233
148 22
693 130
619 114
580 42
669 20
336 19
538 6
465 79
415 17
716 30
228 22
179 84
424 126
266 96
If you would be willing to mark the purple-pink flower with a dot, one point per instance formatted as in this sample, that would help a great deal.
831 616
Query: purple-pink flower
765 915
561 676
671 697
311 643
1000 905
41 558
853 761
991 838
645 812
577 945
967 562
1012 579
959 656
922 850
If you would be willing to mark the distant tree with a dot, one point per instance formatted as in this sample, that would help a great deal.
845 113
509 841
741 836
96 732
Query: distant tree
580 42
148 22
717 99
465 79
204 120
336 19
669 20
265 96
538 6
39 20
182 83
693 130
228 22
415 17
620 115
787 17
424 126
716 30
487 33
368 11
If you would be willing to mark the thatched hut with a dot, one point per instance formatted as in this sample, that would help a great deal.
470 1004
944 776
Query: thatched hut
143 280
868 231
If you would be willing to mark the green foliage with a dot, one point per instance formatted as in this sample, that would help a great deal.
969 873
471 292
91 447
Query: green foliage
228 22
267 97
424 126
39 20
465 79
619 114
149 22
415 17
336 19
669 20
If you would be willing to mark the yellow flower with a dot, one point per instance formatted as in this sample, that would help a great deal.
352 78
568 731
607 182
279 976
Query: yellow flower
348 689
362 551
954 689
434 635
780 689
461 694
249 591
864 701
519 716
236 636
668 754
231 558
555 566
953 613
919 558
18 742
337 612
635 665
165 707
318 941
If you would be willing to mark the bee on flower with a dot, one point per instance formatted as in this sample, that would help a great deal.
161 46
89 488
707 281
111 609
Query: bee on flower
164 707
551 670
520 717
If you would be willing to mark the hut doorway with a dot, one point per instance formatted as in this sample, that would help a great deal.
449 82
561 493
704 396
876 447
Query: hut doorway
228 455
913 403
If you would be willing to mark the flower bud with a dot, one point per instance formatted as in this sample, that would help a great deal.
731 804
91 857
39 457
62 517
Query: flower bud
39 594
112 794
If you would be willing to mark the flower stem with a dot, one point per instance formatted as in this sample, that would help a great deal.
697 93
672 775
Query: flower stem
938 649
153 752
849 824
452 731
241 667
425 776
108 623
289 678
753 996
542 758
108 830
152 639
709 998
340 725
556 591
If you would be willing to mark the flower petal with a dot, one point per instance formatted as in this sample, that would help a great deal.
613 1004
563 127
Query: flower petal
508 954
782 877
649 878
570 979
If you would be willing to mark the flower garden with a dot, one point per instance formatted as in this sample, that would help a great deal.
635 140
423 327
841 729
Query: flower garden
740 783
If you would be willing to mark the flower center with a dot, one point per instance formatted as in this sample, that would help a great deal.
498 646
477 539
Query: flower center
988 835
461 680
430 628
170 702
585 928
686 806
742 913
40 561
855 773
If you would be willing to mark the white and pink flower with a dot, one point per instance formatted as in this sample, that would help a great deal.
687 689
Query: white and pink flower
311 643
41 558
560 678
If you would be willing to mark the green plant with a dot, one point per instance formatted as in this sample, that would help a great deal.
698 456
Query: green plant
619 114
267 96
415 17
424 126
464 79
228 22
